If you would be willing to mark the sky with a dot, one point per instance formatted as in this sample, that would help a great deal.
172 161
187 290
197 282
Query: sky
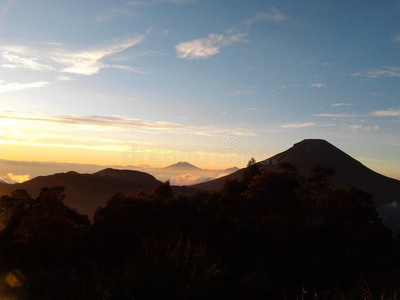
210 82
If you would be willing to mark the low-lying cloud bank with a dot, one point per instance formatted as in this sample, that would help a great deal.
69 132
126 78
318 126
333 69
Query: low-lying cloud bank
13 178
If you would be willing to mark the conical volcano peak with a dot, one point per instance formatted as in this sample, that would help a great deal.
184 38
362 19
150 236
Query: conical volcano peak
182 165
314 147
348 171
313 142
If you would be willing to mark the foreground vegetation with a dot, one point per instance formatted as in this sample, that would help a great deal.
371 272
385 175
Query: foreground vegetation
272 235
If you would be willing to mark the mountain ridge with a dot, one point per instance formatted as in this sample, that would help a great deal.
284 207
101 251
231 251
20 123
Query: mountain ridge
86 192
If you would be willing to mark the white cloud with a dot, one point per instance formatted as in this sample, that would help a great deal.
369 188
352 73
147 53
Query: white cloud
384 72
318 85
206 47
64 78
15 60
275 15
138 3
187 179
342 104
88 121
175 1
16 86
334 115
298 125
54 57
202 133
283 87
253 108
376 94
128 69
91 61
387 113
356 128
11 178
244 133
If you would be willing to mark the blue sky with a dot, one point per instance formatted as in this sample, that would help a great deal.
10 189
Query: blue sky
85 81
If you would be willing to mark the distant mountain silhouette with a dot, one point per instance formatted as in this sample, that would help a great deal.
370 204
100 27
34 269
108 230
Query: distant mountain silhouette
230 170
182 167
188 167
145 180
348 171
86 192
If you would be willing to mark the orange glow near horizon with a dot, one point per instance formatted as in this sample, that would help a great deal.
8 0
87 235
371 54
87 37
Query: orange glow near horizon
150 158
106 141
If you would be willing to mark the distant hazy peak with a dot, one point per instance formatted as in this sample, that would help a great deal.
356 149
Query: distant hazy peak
182 165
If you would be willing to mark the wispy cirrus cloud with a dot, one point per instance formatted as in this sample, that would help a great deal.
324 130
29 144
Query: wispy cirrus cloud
114 122
119 123
17 86
297 125
204 48
311 85
356 128
55 57
390 71
335 115
318 85
387 113
342 104
64 78
243 133
274 15
91 61
374 94
18 57
152 2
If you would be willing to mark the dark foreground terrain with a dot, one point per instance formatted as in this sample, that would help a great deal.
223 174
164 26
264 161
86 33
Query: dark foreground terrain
272 234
